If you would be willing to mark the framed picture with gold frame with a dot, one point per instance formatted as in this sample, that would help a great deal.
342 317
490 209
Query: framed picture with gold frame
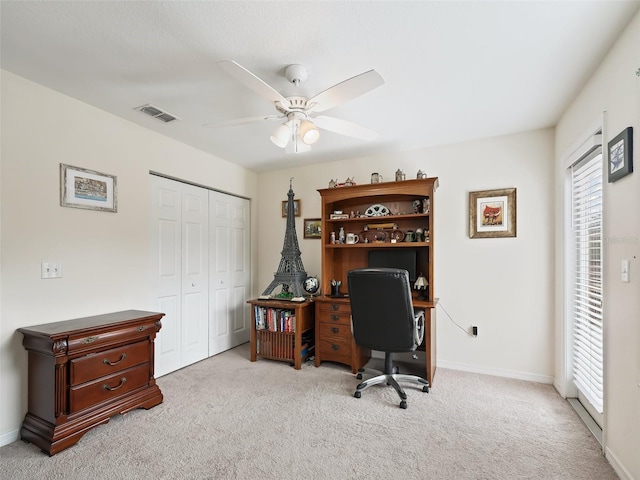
312 228
492 213
296 208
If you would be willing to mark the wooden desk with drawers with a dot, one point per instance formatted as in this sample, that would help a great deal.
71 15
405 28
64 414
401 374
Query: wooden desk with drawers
335 342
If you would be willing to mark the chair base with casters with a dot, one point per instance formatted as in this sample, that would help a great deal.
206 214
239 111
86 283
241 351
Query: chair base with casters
391 377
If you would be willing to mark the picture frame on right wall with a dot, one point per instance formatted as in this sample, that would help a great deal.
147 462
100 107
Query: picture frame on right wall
620 150
492 213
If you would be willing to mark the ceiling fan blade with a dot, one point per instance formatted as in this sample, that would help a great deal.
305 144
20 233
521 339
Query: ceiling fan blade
254 83
344 91
343 127
242 121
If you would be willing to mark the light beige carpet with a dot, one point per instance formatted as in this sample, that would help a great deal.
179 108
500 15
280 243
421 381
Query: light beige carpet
228 418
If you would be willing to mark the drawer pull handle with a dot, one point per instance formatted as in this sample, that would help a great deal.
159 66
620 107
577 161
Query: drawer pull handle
90 339
335 318
123 380
142 328
335 307
334 346
107 362
335 330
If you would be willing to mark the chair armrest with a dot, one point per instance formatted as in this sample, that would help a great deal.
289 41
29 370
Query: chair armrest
418 331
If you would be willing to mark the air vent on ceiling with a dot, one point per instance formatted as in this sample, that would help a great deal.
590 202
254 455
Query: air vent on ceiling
155 112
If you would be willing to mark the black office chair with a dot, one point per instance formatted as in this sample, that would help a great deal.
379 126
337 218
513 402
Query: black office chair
383 318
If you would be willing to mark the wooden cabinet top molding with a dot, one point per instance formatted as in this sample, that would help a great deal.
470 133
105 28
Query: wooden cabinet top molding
78 324
373 189
77 335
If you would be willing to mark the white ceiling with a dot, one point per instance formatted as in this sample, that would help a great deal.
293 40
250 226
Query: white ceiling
453 70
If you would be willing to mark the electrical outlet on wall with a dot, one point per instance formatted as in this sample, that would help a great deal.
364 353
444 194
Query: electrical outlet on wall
624 271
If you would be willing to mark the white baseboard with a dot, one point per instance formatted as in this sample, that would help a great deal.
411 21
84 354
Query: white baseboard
497 372
9 437
622 472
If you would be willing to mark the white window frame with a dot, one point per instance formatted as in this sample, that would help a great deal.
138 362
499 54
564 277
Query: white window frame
590 140
585 303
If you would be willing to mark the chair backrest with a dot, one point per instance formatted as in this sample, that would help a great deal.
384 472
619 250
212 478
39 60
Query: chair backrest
381 309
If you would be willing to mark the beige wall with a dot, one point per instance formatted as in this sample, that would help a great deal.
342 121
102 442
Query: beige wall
615 90
504 286
105 256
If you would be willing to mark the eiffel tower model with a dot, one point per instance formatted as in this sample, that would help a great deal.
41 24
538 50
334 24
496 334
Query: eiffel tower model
291 274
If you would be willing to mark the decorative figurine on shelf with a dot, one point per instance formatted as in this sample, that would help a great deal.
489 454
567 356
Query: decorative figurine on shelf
417 206
333 238
333 183
400 176
349 182
421 174
419 233
341 235
376 177
426 205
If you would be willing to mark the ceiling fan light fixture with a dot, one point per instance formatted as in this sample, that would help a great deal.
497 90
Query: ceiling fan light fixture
309 132
281 135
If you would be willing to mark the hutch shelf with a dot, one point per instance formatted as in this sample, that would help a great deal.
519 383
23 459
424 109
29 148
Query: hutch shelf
381 217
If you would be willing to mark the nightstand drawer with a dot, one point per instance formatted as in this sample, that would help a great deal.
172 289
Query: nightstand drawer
89 343
106 388
104 363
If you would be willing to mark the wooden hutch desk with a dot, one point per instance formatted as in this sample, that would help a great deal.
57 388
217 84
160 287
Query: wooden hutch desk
386 217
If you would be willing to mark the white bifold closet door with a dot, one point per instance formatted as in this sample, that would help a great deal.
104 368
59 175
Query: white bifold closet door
201 272
229 271
180 259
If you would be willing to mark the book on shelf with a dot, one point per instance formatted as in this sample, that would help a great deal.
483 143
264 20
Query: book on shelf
275 319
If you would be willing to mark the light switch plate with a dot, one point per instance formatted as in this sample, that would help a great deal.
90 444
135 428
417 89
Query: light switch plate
51 270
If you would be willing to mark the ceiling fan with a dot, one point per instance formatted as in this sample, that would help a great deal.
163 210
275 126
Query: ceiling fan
300 128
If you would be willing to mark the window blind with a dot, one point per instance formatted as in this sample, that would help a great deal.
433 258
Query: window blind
587 318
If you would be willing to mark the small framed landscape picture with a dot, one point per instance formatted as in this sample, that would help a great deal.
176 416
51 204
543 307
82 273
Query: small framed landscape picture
312 228
82 188
621 155
296 208
492 213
